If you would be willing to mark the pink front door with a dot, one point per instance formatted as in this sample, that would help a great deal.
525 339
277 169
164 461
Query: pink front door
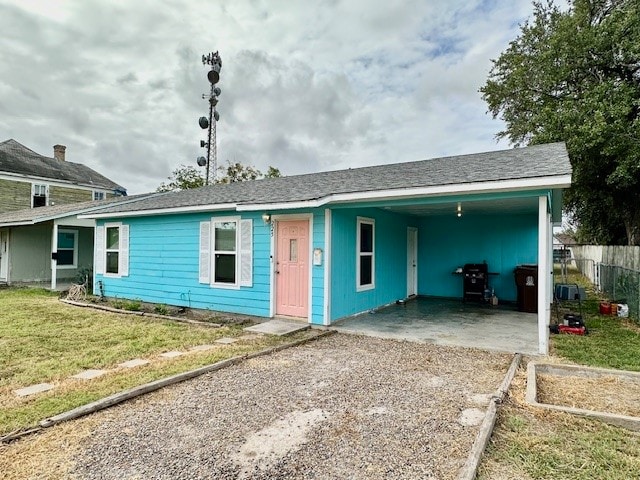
292 268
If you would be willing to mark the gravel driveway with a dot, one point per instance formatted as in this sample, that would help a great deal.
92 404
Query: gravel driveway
343 406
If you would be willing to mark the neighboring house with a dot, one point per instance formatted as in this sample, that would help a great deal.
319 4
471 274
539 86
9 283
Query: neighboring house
329 245
49 245
29 180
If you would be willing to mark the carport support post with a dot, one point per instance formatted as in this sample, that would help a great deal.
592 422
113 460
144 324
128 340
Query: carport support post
54 248
544 278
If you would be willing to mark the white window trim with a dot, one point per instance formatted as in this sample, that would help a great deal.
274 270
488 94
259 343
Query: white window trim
75 249
372 285
213 251
46 193
106 236
102 192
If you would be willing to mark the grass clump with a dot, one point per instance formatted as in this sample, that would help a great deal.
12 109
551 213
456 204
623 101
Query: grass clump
133 305
161 309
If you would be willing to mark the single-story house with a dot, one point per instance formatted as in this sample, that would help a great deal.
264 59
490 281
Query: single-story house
325 246
49 245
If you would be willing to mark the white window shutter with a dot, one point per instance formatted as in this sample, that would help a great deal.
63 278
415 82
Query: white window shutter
98 251
204 275
246 253
123 256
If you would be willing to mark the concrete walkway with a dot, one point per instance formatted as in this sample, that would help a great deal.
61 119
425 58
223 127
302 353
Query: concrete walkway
273 327
92 373
450 322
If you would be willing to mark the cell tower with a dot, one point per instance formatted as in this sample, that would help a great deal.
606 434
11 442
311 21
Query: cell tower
211 162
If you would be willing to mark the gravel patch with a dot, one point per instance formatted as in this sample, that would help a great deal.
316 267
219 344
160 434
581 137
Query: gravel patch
343 406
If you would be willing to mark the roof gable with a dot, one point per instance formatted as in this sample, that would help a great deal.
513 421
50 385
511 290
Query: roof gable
15 158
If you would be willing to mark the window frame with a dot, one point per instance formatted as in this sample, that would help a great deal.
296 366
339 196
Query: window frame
359 254
107 226
74 249
236 252
99 193
37 186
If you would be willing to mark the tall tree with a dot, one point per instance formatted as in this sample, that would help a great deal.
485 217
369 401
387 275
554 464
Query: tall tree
574 75
187 177
182 178
236 172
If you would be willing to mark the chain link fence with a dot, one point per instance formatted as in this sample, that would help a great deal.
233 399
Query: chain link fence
621 285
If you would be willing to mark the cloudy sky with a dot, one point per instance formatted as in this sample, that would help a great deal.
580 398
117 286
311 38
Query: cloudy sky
306 86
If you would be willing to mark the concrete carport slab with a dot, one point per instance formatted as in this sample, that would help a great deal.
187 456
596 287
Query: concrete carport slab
450 322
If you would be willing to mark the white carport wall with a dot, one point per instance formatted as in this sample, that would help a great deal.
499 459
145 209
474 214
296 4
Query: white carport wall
544 274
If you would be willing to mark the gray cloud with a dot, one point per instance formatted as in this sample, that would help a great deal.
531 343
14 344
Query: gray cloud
305 86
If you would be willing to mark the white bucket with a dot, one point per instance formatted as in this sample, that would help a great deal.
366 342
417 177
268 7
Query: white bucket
623 310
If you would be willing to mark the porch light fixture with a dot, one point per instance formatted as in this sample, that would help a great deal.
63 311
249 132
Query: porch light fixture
459 210
266 217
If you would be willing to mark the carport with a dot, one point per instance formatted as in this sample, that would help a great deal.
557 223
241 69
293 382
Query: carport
503 229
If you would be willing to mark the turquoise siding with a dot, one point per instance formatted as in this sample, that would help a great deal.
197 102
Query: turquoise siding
164 257
447 242
163 266
317 271
390 261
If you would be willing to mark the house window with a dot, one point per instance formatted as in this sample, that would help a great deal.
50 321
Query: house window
224 251
112 250
365 268
225 259
98 195
39 197
67 248
111 255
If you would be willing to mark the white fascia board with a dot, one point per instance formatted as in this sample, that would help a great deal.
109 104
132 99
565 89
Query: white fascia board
164 211
559 181
283 206
47 218
17 177
75 213
18 224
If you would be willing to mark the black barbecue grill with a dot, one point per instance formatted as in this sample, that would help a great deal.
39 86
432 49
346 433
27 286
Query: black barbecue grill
475 281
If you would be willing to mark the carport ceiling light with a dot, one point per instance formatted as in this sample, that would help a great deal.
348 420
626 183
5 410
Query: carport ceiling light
459 210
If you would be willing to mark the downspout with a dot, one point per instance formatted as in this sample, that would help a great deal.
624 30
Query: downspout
54 255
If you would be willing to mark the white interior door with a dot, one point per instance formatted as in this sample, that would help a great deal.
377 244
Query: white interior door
4 255
412 261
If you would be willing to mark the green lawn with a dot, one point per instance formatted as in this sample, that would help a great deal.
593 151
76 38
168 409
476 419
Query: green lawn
44 340
532 444
612 342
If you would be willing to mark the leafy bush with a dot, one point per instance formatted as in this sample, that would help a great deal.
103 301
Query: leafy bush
85 274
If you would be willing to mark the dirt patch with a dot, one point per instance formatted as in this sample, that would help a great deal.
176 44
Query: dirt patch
264 448
610 394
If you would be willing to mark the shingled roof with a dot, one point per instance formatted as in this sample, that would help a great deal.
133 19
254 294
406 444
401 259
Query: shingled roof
535 162
17 159
30 216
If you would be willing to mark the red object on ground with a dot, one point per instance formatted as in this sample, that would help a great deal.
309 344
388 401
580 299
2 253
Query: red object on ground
605 308
572 330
